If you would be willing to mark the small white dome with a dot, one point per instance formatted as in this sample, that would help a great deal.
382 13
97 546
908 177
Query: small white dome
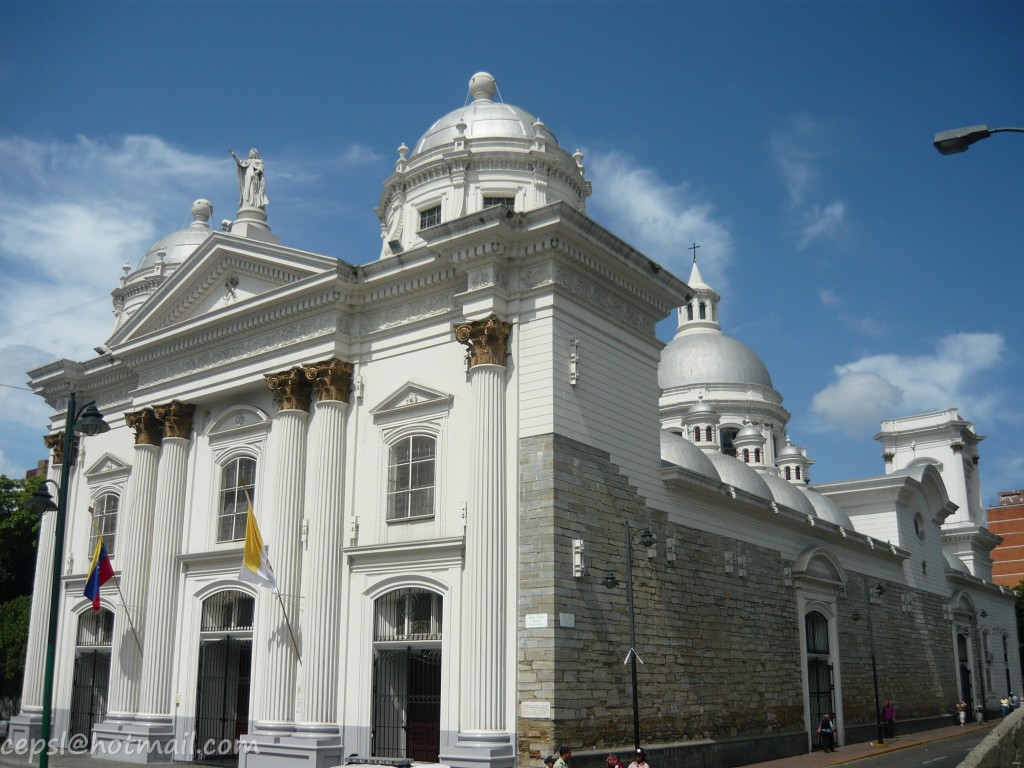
739 475
682 453
826 508
788 495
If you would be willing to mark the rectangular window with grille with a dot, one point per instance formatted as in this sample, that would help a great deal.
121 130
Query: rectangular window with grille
430 217
411 478
493 202
238 487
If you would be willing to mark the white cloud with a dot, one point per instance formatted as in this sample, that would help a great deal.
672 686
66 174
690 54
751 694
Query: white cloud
885 386
799 151
71 213
822 222
863 324
660 219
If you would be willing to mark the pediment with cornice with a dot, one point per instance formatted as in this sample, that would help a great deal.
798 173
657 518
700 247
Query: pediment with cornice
220 276
412 398
107 468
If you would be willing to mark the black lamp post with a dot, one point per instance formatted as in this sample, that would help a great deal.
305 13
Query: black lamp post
879 590
609 581
88 421
959 139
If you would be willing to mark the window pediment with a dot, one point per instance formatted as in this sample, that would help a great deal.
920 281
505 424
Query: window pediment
412 400
107 469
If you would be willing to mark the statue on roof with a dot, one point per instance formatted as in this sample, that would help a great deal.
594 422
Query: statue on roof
252 184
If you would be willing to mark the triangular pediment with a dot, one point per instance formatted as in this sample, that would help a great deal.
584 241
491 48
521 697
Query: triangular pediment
412 398
107 467
224 272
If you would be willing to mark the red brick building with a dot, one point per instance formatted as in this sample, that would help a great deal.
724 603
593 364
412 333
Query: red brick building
1007 520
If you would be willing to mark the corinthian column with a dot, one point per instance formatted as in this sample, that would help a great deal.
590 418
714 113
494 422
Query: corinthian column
483 724
321 562
155 695
274 655
27 725
135 525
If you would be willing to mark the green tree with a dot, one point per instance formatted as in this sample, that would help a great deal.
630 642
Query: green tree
19 539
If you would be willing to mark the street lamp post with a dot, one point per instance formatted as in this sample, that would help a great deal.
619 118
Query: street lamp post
879 590
959 139
88 421
609 581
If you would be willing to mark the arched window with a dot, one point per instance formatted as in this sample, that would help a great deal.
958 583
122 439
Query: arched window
407 615
104 516
789 473
237 490
689 311
228 611
726 437
746 456
816 626
707 434
411 470
696 434
703 310
757 455
798 473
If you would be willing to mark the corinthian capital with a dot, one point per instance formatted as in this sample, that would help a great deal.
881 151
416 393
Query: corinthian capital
486 340
291 389
176 417
56 444
332 379
148 430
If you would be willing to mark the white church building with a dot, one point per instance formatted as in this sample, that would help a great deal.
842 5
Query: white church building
447 449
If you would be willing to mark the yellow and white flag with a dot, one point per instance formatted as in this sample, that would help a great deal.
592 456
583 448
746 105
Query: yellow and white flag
256 568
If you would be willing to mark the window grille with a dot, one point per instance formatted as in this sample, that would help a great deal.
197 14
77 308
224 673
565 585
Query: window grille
228 611
96 629
408 615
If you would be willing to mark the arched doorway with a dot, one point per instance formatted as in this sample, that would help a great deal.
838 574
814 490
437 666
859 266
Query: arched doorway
963 659
225 670
820 678
92 671
407 675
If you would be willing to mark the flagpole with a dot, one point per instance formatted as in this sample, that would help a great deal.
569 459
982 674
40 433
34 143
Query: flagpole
117 584
277 591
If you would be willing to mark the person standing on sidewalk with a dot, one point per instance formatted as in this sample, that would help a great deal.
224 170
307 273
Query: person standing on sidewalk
961 712
827 730
889 716
639 759
564 755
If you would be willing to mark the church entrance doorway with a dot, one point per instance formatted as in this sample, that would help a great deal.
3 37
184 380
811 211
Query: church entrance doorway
820 681
407 676
92 672
963 662
225 671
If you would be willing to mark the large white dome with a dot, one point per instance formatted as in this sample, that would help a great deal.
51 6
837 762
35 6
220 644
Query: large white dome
710 357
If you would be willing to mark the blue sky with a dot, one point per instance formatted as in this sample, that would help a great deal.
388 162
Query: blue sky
792 140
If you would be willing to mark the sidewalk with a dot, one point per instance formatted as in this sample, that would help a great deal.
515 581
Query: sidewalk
851 752
844 754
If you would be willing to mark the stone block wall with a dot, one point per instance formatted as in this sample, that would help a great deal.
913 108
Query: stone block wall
721 651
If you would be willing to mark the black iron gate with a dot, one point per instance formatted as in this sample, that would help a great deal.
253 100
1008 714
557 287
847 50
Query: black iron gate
407 703
820 686
222 698
89 691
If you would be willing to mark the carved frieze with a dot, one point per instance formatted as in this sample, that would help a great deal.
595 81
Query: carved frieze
291 389
486 340
56 444
177 418
331 378
148 429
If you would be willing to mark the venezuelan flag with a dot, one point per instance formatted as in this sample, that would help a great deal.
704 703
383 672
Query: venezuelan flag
100 572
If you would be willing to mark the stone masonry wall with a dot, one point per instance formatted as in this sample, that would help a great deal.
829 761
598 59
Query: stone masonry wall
721 651
914 653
